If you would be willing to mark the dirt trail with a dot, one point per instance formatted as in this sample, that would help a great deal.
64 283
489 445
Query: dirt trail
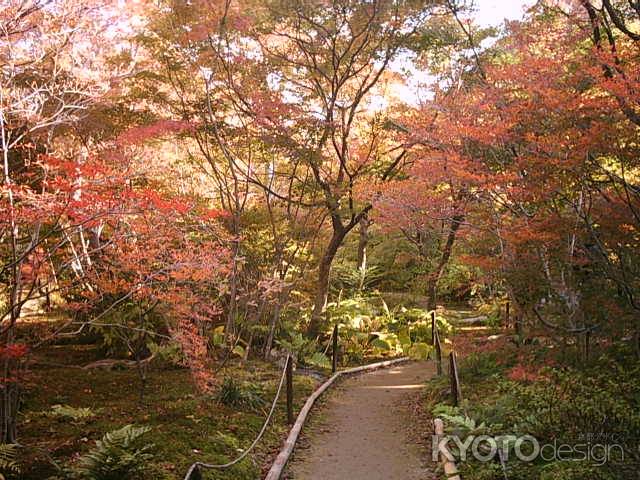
365 428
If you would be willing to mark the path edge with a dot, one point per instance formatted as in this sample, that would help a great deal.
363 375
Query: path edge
448 464
283 457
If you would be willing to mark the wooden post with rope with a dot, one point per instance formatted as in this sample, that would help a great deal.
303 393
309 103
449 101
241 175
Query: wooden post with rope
438 346
290 418
433 328
456 392
507 315
283 457
195 474
195 470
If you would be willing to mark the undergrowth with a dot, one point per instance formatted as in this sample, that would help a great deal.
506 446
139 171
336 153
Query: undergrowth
593 410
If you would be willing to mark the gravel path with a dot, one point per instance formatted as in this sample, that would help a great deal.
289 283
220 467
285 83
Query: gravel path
366 430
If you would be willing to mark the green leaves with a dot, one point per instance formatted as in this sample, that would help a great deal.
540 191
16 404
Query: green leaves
66 412
115 457
420 351
404 337
234 393
319 359
381 345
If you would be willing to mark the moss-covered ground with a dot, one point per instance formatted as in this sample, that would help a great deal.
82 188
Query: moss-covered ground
186 425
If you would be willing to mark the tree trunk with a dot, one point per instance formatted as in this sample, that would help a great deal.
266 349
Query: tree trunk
322 289
229 329
247 350
141 368
9 385
363 243
434 278
9 406
272 329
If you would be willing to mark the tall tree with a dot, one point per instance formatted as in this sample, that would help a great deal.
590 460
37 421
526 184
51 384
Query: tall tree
327 60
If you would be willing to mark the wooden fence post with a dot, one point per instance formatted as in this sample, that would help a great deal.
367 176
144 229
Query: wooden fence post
433 328
449 465
587 345
456 393
195 474
519 329
334 353
438 353
508 314
289 367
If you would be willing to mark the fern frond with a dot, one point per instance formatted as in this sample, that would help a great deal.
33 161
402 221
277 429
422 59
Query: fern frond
8 454
115 456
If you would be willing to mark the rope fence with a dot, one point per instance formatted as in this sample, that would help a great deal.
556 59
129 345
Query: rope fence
448 464
194 471
278 466
286 378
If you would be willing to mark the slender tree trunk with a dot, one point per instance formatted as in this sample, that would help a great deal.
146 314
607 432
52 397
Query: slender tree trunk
275 318
8 384
142 375
229 330
247 351
322 288
434 278
363 243
9 405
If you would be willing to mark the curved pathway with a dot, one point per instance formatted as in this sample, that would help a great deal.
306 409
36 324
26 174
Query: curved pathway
365 429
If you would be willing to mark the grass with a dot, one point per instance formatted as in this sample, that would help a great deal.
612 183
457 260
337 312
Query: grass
186 425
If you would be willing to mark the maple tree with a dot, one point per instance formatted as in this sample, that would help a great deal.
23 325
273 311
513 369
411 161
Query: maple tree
532 138
37 98
429 208
291 96
79 206
326 64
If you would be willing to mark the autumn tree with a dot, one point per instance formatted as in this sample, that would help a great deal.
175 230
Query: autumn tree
44 88
537 131
327 60
429 208
77 199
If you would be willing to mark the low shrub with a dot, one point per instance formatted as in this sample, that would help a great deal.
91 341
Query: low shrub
234 393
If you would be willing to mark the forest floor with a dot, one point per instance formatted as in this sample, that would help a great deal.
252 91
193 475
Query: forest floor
185 425
369 429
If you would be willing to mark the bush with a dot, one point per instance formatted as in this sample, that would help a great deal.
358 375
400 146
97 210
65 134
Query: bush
305 351
479 366
599 406
602 405
234 393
